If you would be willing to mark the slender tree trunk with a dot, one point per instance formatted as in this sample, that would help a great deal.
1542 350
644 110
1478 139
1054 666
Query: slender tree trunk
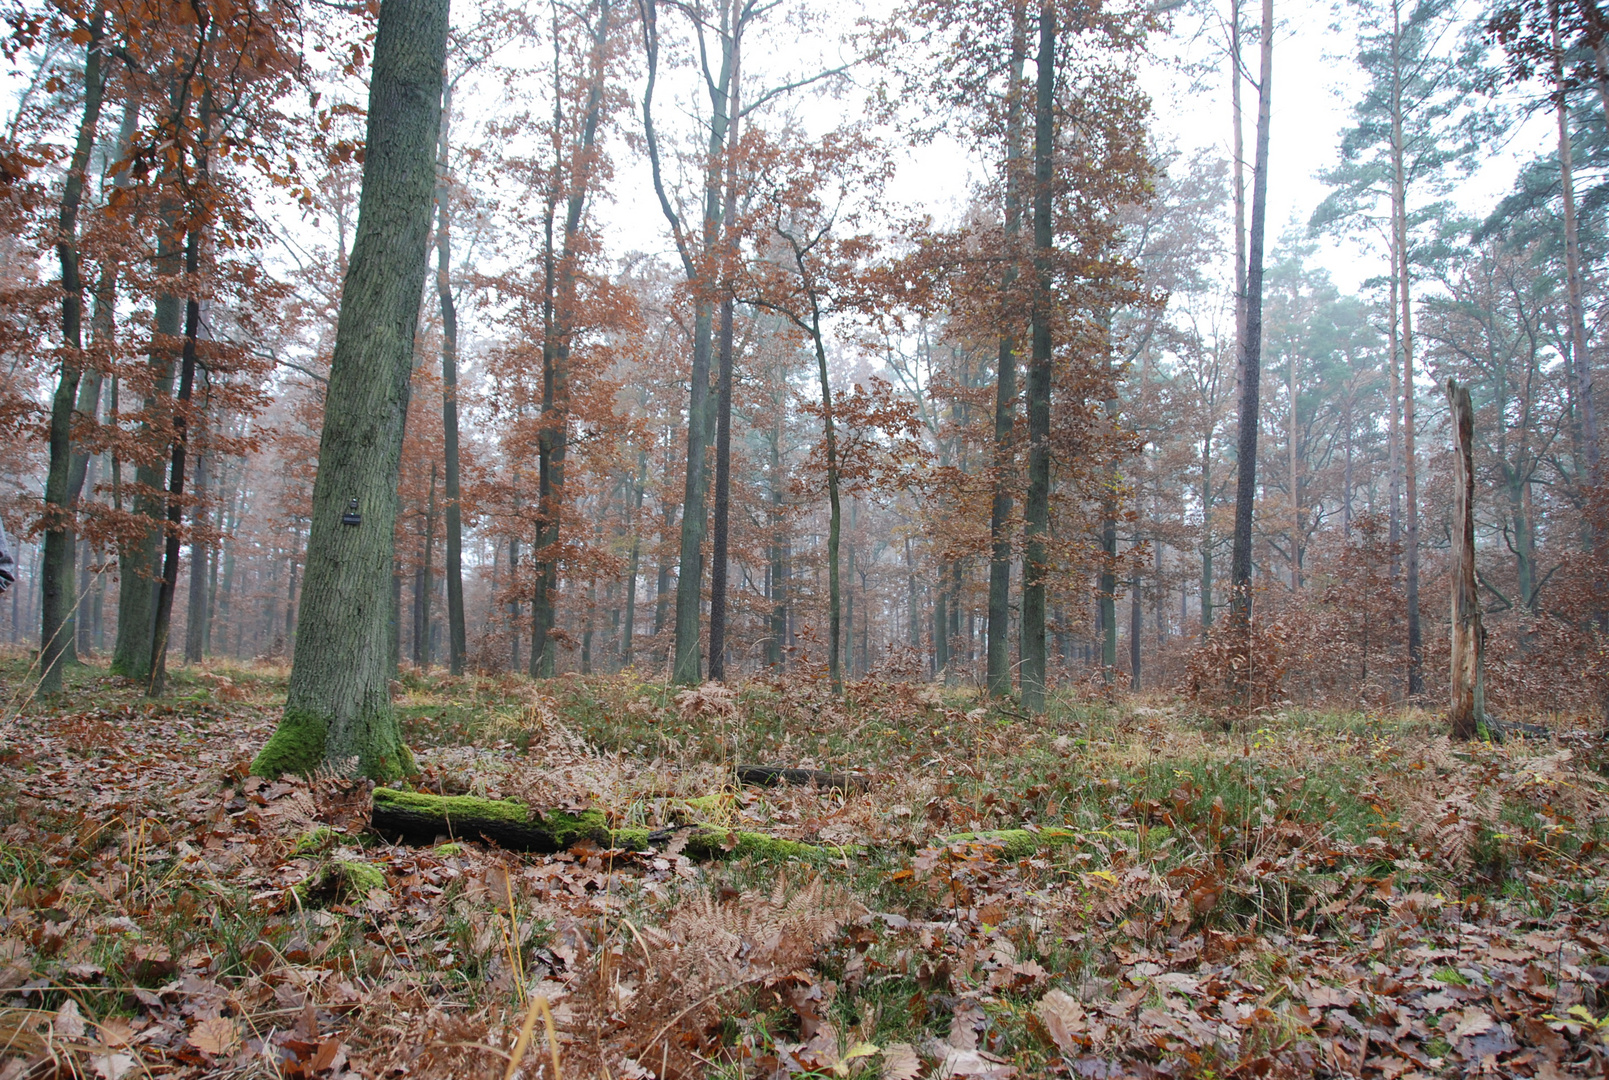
1416 678
835 516
181 434
1206 536
56 631
628 631
913 601
723 406
195 624
1394 428
423 634
456 634
556 355
1106 600
1036 514
849 596
690 576
1468 706
338 708
138 569
998 676
1251 358
1293 462
776 646
514 604
1136 632
1237 114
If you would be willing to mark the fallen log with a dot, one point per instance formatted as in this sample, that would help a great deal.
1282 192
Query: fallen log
417 817
774 776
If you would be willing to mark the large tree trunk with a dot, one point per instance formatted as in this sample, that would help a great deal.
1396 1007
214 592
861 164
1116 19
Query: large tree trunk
56 632
998 672
338 709
456 635
1467 707
1036 514
1251 363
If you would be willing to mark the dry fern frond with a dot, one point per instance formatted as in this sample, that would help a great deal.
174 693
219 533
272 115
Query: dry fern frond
1445 818
655 996
710 700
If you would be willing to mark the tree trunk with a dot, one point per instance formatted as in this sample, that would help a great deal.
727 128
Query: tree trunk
556 358
56 631
1416 678
456 635
1136 632
1036 514
1206 536
998 672
628 630
723 408
1467 707
690 576
835 517
1251 362
195 624
137 562
338 708
425 584
181 427
777 641
1106 599
1293 462
1239 165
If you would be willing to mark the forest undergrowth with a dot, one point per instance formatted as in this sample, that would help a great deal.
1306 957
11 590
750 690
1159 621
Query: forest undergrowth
1123 887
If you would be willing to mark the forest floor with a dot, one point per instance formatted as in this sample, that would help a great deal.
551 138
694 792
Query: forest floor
1154 892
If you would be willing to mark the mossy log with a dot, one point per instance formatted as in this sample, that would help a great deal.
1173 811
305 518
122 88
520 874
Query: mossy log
772 776
416 817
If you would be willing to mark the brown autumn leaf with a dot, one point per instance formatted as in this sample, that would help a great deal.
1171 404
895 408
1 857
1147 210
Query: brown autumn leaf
69 1022
900 1062
1063 1018
218 1035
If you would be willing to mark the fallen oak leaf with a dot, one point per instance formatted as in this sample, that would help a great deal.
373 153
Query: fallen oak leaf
1063 1018
69 1022
218 1036
112 1066
900 1062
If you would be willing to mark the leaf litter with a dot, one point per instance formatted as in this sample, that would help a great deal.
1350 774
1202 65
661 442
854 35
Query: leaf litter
1175 902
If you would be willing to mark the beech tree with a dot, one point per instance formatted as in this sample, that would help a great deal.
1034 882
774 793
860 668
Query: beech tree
338 709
